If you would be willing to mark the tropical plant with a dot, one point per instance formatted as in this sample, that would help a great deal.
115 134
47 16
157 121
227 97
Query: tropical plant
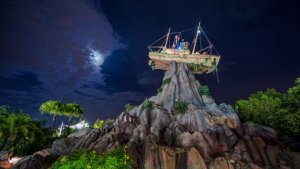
148 105
73 110
4 109
203 90
274 109
101 123
86 159
128 107
20 134
180 107
54 108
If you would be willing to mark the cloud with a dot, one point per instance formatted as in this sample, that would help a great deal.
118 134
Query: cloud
60 45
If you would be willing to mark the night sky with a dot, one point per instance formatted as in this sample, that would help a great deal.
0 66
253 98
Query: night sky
95 52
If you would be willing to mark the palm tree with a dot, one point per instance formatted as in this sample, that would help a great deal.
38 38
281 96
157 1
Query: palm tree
54 108
17 127
73 110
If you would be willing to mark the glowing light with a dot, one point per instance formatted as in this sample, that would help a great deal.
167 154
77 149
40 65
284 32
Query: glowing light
96 58
14 160
199 31
81 125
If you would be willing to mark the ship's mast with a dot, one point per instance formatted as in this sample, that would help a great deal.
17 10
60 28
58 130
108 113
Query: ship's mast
167 39
196 38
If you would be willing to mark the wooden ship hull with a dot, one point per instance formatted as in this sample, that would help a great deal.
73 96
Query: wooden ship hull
202 61
198 63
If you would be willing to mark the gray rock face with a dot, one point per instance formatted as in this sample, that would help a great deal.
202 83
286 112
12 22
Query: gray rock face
183 86
206 136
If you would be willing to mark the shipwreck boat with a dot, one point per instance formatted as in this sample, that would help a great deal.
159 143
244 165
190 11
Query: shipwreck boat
201 60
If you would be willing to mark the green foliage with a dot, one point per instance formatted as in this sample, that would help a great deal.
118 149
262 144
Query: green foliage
180 107
260 106
4 109
165 82
148 105
55 108
153 66
20 134
195 66
85 159
128 107
214 62
72 110
52 107
274 109
203 90
101 123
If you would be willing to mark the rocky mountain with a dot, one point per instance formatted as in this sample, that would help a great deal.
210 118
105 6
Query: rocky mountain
159 136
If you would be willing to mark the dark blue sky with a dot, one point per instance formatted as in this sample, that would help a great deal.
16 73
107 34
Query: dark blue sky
95 52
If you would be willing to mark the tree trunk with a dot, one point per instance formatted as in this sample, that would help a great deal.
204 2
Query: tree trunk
69 123
53 122
70 118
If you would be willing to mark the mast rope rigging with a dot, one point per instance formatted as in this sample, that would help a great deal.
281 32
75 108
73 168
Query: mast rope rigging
201 59
158 40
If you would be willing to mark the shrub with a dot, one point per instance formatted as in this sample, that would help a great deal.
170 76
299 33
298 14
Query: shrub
273 109
195 66
101 123
166 81
148 104
86 159
203 90
180 107
128 107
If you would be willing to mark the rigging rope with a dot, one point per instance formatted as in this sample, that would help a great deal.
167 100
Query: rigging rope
209 42
157 40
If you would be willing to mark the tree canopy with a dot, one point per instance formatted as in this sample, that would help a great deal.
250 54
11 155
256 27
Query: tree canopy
280 111
55 108
19 133
52 107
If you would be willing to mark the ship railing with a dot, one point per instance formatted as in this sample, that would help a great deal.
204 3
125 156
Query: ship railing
208 49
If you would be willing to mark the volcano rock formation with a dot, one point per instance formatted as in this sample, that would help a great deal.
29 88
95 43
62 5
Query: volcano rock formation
207 136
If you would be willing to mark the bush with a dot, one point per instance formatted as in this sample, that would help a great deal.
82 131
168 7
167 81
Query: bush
128 107
86 159
203 90
148 105
166 81
195 66
180 107
101 123
273 109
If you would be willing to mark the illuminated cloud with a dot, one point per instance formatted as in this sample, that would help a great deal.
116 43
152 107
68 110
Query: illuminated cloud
96 59
62 44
